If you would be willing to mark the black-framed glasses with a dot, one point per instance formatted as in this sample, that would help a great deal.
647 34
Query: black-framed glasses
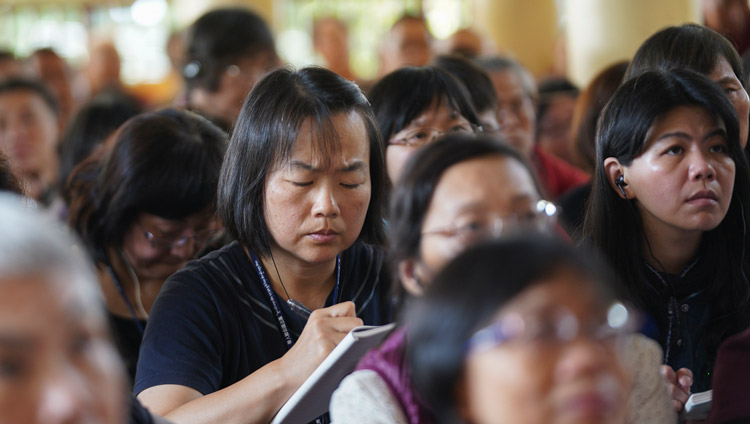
555 328
199 238
418 137
467 229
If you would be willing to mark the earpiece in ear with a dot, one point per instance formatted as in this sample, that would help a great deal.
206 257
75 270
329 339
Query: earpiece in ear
620 183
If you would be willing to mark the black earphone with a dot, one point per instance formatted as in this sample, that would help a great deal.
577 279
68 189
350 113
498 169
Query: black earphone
620 183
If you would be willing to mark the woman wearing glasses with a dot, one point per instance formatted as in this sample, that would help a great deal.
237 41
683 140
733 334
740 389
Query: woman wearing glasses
452 193
414 106
144 205
521 330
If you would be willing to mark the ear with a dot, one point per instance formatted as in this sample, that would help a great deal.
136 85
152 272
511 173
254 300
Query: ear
613 169
407 272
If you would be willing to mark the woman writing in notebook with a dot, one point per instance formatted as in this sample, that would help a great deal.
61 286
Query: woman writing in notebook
301 189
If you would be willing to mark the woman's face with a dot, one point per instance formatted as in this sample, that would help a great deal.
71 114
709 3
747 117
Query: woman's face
682 182
437 119
548 373
56 363
157 247
725 77
315 206
467 194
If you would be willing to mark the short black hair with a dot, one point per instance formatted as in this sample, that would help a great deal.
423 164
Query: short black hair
474 78
220 37
493 64
690 46
164 163
94 122
34 86
466 296
402 95
413 192
265 135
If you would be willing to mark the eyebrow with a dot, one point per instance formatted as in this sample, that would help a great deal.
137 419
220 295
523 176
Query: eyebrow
728 80
683 135
356 165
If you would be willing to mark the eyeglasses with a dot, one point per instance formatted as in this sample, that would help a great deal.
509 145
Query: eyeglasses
469 229
556 328
199 238
421 136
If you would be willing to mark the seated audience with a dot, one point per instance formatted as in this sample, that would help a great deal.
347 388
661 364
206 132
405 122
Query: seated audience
57 363
46 65
145 204
554 116
666 209
517 95
454 193
588 109
331 41
234 334
479 87
228 51
407 43
414 106
702 50
523 330
29 133
91 126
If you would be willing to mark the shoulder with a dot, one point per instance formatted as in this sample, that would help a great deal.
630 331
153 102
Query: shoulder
364 397
649 401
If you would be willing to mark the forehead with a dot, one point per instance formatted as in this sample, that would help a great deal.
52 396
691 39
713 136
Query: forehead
22 99
685 118
722 71
493 183
564 287
439 109
343 138
38 301
508 84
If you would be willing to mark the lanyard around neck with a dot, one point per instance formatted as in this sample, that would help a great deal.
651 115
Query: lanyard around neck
272 296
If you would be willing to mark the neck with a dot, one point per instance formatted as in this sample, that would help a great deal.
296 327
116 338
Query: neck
308 283
671 251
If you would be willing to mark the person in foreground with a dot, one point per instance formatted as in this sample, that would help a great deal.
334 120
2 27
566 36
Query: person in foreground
301 189
668 211
57 364
520 330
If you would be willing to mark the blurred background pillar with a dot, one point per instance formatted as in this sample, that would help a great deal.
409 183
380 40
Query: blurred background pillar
525 29
601 32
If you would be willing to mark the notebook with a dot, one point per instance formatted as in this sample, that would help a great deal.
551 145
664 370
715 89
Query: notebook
312 398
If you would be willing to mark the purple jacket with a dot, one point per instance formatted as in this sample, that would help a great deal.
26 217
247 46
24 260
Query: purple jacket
389 362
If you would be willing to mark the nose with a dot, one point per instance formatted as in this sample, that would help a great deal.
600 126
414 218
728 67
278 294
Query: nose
325 204
581 357
701 167
63 398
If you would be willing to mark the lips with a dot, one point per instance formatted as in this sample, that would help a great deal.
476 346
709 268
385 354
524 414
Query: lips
704 196
323 236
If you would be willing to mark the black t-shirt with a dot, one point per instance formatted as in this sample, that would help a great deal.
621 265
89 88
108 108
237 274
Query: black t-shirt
213 323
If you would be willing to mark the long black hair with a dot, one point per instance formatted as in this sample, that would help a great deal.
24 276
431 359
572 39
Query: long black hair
615 227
